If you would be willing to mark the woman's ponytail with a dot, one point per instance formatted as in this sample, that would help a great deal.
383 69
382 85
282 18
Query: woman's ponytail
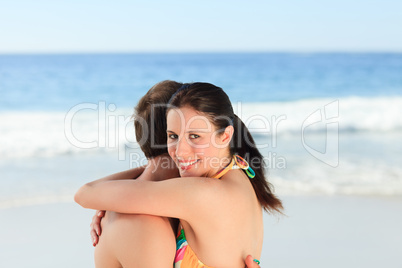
243 144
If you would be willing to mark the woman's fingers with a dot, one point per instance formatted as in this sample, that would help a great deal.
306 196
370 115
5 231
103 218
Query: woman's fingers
94 237
96 221
250 263
95 226
101 213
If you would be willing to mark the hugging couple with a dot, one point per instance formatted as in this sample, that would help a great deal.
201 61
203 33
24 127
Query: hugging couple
203 207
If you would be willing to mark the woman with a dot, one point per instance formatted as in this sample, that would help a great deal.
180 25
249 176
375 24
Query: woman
131 240
220 208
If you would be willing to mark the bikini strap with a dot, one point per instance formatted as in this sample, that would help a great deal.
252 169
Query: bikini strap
237 162
225 170
243 164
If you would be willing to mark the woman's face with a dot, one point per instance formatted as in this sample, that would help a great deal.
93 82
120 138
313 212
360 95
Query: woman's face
194 144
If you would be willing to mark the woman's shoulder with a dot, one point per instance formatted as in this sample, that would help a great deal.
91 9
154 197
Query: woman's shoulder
236 180
238 188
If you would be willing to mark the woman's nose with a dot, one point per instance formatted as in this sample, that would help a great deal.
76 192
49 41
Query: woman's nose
182 147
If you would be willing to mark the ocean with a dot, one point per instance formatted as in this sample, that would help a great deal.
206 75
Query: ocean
326 123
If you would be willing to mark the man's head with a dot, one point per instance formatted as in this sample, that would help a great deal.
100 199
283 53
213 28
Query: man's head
150 118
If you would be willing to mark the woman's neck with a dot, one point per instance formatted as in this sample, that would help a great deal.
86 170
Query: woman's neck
225 163
221 165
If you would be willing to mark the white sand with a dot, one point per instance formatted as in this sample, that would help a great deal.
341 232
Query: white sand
338 231
320 231
53 235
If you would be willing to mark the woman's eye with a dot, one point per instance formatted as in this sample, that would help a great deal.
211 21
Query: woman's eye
194 136
172 136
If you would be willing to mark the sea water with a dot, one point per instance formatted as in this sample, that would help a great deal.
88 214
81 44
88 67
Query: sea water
326 123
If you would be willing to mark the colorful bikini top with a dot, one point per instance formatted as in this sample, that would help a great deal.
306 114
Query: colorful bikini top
236 163
185 256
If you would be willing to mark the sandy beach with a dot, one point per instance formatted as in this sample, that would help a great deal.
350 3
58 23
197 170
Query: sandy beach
318 231
335 231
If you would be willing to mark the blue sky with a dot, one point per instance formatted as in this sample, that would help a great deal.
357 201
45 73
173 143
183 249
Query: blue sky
44 26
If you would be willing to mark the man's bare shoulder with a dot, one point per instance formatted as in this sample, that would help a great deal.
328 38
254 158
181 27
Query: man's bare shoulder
136 238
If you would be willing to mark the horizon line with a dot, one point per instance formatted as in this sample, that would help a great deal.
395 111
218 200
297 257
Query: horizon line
83 52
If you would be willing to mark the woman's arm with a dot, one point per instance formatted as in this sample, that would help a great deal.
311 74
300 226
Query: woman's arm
183 198
125 175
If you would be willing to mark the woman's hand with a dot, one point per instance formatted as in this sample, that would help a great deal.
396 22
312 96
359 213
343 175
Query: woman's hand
95 226
250 263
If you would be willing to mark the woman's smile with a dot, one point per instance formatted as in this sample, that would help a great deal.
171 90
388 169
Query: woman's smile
186 165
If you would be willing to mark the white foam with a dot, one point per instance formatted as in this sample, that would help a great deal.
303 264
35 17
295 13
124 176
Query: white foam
370 178
352 114
42 134
32 134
